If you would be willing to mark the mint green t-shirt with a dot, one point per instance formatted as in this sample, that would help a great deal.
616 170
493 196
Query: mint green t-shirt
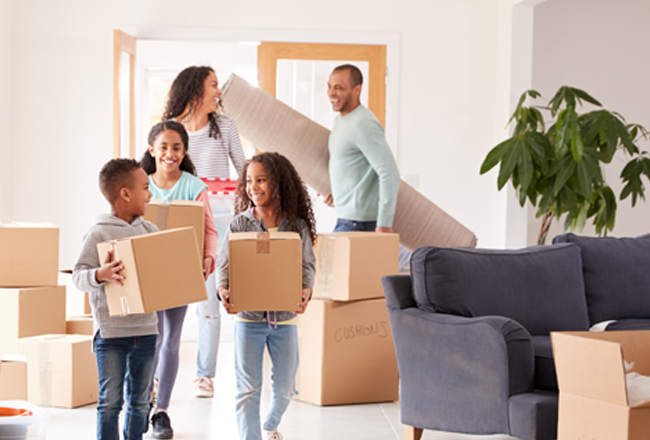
188 187
363 172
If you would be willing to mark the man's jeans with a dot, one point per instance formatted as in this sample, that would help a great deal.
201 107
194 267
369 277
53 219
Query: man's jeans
209 315
352 225
282 343
123 361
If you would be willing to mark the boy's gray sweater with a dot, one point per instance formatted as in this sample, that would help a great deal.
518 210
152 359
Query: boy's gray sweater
107 227
246 222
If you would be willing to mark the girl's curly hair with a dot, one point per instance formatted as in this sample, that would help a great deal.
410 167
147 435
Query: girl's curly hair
186 93
288 192
148 163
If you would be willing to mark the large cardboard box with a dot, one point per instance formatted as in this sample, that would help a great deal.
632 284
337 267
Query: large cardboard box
162 270
350 265
178 214
75 300
79 325
13 380
346 353
265 270
61 370
28 312
593 393
29 254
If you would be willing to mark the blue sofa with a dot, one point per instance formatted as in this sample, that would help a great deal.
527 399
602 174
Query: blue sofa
471 328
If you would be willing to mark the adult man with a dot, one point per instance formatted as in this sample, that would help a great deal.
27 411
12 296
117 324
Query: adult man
363 172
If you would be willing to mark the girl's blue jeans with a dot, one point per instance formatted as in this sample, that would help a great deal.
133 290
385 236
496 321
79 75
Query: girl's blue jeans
123 361
209 314
352 225
250 340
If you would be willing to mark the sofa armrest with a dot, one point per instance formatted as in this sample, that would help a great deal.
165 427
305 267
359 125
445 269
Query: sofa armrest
457 373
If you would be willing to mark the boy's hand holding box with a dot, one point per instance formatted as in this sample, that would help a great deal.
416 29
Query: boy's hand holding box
162 270
265 271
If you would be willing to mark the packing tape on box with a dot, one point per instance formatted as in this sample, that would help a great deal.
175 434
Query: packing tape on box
274 126
263 242
162 215
44 371
324 271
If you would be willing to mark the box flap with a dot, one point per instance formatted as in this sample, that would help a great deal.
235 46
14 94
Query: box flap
274 235
589 366
28 225
177 202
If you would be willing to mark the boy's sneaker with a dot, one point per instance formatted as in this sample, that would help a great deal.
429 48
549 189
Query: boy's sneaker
275 435
162 426
146 426
203 387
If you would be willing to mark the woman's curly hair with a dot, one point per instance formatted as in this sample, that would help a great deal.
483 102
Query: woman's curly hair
288 192
186 93
148 163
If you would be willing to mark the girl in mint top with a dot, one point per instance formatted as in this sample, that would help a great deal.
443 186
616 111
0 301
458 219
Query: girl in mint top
171 177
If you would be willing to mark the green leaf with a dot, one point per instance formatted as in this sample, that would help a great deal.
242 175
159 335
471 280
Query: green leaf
525 168
581 220
577 146
563 176
509 162
584 180
495 155
585 96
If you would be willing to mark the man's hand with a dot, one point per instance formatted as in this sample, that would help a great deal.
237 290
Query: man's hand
109 271
384 230
329 200
306 294
225 300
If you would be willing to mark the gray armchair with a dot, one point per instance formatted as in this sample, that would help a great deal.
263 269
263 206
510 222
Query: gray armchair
471 330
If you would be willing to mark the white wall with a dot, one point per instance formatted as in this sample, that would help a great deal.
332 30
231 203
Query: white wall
600 47
62 83
5 110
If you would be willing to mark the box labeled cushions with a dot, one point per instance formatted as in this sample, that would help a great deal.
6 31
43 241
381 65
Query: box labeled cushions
350 265
346 353
594 401
178 214
265 270
29 254
161 269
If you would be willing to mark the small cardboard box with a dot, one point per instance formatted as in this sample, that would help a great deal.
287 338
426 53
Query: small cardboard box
79 325
178 214
162 270
346 353
593 391
349 265
265 270
29 254
13 380
61 370
75 300
28 312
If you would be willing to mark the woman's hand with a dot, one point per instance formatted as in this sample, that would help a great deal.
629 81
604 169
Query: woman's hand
207 266
306 294
224 294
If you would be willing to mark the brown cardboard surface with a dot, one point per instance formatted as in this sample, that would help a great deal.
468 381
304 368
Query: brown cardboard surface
29 254
591 378
265 273
161 269
79 325
178 214
28 312
61 370
349 265
13 380
346 353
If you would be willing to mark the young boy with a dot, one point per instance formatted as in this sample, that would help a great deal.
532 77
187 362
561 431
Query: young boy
124 346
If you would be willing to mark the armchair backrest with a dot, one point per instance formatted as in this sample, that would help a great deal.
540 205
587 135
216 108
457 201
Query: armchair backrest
540 287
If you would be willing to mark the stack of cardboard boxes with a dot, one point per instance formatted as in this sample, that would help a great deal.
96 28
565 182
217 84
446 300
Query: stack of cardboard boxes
40 362
346 345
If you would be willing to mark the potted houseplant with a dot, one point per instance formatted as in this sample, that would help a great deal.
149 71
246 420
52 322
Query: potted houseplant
559 169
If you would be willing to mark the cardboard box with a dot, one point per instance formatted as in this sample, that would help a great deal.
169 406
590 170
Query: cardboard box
13 380
28 312
265 270
76 300
79 325
593 392
162 270
346 353
29 254
61 370
350 265
178 214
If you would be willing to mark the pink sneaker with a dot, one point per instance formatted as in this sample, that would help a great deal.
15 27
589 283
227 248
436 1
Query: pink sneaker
203 387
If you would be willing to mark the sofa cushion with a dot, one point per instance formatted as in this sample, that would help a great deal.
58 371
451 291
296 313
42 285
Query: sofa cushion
629 324
540 287
617 275
545 376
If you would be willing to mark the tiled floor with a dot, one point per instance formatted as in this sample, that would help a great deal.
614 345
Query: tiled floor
194 418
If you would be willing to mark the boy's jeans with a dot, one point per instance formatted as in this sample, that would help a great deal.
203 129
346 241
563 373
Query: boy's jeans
282 343
123 361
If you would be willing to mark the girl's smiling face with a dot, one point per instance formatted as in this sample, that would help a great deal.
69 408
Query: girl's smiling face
168 150
258 186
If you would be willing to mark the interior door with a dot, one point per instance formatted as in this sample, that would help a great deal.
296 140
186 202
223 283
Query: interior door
123 95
